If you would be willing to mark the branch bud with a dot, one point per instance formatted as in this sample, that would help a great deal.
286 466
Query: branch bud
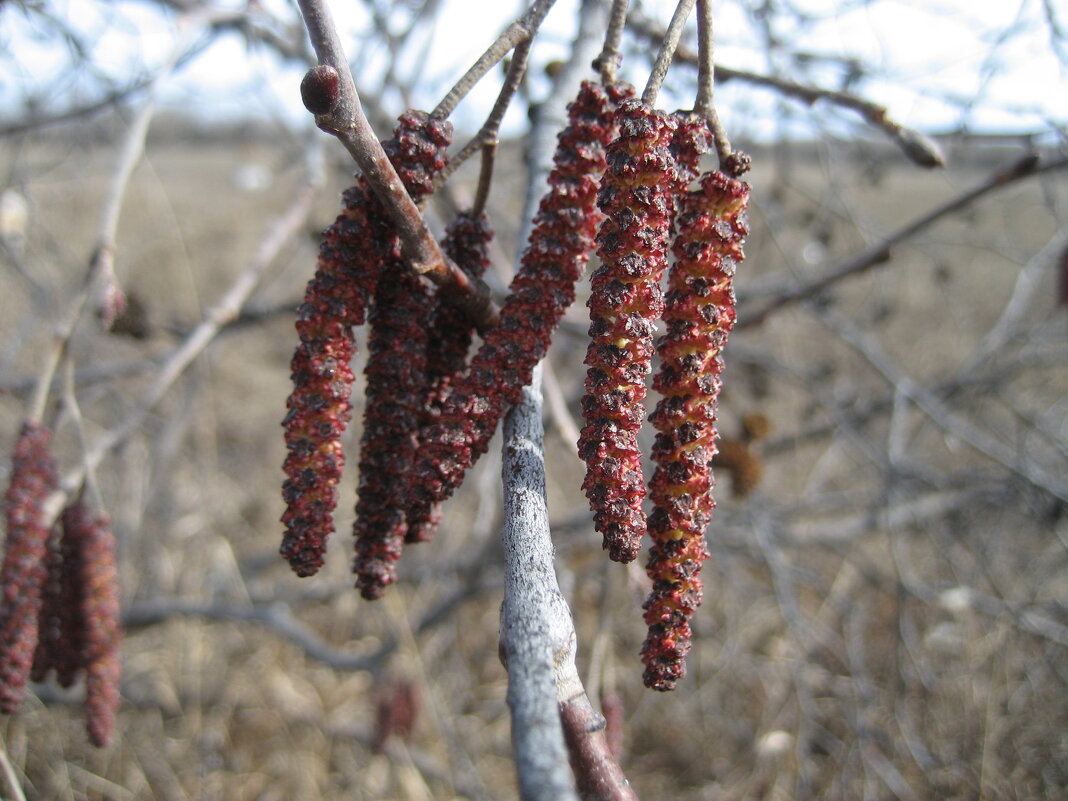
321 89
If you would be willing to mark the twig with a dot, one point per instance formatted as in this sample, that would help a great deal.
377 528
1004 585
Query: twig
275 616
9 775
487 134
919 148
330 94
942 415
730 162
611 59
485 178
881 253
668 45
522 30
596 769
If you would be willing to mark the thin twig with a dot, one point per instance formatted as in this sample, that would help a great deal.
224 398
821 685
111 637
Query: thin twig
275 616
487 134
668 45
485 178
734 164
611 59
522 30
280 231
919 148
882 252
341 114
102 261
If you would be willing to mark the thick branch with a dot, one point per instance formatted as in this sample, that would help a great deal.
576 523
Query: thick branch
537 633
338 111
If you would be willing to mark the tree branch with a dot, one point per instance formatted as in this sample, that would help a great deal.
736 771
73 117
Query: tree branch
882 252
330 94
919 148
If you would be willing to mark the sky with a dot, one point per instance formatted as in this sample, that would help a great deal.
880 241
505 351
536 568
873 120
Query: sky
929 60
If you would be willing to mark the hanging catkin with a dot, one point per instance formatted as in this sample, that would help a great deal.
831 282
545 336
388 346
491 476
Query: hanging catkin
699 314
542 290
396 367
637 199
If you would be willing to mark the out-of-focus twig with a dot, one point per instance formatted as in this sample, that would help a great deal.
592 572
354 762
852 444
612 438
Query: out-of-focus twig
881 252
951 421
280 231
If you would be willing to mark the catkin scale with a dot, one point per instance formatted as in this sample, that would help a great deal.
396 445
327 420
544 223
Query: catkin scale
541 291
22 575
637 199
698 315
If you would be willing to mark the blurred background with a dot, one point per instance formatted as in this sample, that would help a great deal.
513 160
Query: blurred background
885 609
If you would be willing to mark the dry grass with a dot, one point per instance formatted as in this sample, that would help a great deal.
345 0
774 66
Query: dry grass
884 616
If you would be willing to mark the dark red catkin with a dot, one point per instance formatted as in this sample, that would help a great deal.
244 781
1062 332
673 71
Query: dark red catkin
61 629
637 198
699 314
336 299
396 367
541 291
22 576
89 569
466 242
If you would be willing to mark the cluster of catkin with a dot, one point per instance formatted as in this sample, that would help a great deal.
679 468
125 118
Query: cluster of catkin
651 214
431 408
621 183
59 609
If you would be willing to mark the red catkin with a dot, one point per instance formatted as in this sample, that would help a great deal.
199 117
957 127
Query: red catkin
466 242
699 314
637 198
22 575
61 629
319 408
89 569
396 367
541 291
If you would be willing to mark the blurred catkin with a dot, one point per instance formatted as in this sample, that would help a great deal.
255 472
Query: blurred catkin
23 574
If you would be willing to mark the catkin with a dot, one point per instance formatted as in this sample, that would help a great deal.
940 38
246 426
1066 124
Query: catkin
466 242
350 263
542 290
23 573
396 367
637 198
699 314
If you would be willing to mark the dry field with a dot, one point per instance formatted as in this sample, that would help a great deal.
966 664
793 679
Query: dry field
885 611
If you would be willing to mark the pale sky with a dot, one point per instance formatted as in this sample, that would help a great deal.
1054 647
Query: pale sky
919 55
